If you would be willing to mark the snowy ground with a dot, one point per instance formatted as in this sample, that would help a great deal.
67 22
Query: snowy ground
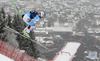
5 58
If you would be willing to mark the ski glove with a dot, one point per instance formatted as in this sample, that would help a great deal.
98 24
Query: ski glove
29 27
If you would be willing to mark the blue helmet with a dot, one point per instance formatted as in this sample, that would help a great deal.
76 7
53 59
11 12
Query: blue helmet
33 14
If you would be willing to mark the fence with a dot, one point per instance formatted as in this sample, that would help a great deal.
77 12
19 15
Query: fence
14 53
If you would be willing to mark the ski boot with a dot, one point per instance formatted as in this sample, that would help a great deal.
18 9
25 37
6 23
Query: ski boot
25 33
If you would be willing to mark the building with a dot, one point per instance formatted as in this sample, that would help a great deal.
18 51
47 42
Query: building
92 55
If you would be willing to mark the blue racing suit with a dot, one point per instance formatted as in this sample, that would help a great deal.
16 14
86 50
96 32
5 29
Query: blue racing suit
29 19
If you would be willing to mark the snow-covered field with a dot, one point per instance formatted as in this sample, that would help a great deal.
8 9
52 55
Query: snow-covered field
5 58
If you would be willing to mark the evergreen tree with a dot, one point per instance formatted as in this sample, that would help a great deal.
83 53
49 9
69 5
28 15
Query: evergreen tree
3 12
2 23
28 46
8 20
18 23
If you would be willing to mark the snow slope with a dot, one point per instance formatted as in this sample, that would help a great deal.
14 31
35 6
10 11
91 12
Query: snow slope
5 58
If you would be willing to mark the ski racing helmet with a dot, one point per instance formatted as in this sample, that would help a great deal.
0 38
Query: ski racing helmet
42 14
33 14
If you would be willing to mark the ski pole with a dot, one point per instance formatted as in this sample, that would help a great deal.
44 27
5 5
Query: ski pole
16 12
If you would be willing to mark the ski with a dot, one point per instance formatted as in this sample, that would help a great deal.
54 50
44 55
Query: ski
15 5
16 32
16 12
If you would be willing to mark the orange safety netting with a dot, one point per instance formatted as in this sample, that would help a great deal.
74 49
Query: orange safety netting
14 53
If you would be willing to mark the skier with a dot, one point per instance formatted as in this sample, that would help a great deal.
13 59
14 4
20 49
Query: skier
29 18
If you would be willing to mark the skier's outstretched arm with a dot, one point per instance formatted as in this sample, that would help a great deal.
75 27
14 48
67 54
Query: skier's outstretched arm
37 17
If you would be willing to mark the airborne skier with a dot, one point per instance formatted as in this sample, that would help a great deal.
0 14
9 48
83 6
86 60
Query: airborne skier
29 18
